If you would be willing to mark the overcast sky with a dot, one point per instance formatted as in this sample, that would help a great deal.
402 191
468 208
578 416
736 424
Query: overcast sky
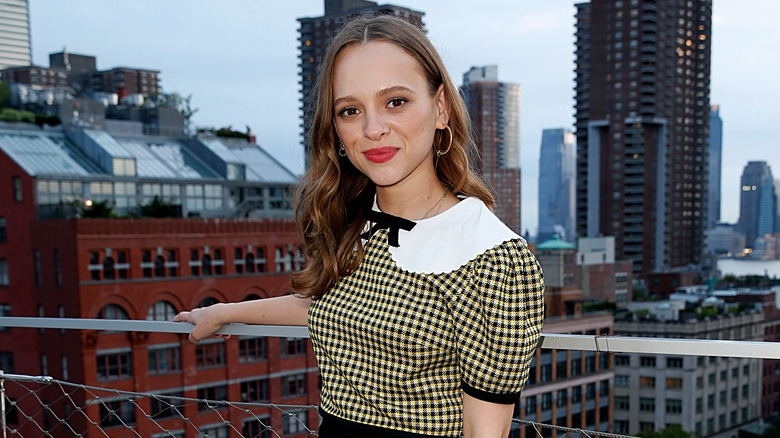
239 61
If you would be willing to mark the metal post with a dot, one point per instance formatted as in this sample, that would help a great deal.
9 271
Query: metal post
2 404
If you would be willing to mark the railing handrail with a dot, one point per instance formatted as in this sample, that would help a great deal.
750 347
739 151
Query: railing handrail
598 343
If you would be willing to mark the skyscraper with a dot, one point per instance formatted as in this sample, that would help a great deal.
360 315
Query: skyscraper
758 202
557 185
642 116
715 142
15 47
494 108
315 32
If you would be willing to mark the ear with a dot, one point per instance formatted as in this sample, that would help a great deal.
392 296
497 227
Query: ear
443 105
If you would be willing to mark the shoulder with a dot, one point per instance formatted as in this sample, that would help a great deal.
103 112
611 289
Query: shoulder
452 239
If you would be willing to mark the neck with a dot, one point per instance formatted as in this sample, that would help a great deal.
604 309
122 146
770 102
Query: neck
417 204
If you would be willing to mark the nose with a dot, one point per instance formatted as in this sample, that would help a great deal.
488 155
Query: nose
375 126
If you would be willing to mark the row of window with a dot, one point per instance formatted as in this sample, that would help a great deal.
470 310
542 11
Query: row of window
112 265
167 359
546 400
580 363
622 426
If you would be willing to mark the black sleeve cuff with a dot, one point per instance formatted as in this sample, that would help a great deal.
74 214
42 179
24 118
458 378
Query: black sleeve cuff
502 399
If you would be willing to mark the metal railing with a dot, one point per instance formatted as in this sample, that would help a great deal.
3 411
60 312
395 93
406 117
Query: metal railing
125 413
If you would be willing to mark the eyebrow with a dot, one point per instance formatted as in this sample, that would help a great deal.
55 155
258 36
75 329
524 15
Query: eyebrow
381 93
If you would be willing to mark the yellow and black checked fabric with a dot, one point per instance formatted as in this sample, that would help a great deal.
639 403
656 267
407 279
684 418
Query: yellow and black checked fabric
396 348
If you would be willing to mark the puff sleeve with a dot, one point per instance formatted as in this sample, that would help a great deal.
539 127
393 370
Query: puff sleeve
498 322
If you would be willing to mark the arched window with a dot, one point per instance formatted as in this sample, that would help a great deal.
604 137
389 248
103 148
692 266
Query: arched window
208 302
252 297
159 266
112 311
205 263
249 262
108 268
161 311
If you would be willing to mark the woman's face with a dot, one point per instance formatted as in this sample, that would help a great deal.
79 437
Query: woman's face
385 115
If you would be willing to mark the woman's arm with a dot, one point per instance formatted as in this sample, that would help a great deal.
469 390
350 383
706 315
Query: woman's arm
286 310
483 419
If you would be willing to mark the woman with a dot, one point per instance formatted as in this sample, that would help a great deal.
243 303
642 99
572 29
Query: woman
424 309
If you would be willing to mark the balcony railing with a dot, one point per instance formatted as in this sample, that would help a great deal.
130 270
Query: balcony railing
123 413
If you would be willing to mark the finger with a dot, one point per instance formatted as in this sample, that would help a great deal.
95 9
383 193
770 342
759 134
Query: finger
182 316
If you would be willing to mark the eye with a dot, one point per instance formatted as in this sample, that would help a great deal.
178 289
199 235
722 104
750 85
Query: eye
348 111
396 102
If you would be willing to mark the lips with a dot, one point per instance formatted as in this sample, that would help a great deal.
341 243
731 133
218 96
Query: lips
381 154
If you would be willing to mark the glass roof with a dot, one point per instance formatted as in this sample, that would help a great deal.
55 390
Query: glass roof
39 154
260 166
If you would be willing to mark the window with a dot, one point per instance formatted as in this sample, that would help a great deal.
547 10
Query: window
5 310
294 423
213 431
256 428
293 347
250 263
18 196
218 262
699 382
674 362
711 401
57 269
4 272
646 381
604 388
172 264
673 406
121 266
194 262
252 350
159 266
546 372
622 360
674 383
117 413
621 426
210 354
576 394
590 362
108 268
647 361
711 378
724 375
205 263
146 263
64 366
37 268
3 232
621 380
166 405
111 366
254 390
238 258
699 405
646 404
112 311
294 385
210 396
722 397
745 390
260 260
164 359
547 401
561 397
560 365
530 405
161 311
7 362
734 394
622 403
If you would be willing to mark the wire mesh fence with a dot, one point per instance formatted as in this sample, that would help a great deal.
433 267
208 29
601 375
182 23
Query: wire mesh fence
39 406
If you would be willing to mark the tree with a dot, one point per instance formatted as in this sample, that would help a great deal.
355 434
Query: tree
97 209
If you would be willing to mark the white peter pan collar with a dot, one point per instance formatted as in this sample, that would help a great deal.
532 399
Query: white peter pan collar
449 240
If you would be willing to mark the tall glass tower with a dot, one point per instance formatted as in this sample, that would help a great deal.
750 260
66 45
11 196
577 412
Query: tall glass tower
557 185
757 202
715 165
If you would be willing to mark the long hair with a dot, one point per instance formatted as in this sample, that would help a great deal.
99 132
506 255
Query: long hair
333 199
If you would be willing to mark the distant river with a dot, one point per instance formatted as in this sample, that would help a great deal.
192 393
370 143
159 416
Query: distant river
749 267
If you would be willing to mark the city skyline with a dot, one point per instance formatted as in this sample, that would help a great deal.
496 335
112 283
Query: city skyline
244 70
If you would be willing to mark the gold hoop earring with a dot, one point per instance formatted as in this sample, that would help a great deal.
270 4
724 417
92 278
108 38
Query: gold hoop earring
342 149
440 153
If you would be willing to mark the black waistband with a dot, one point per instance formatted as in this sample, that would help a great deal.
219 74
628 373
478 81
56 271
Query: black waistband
335 427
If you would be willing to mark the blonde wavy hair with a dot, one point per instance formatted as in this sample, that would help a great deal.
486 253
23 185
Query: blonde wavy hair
333 199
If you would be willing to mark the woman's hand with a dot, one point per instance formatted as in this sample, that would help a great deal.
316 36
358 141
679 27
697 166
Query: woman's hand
207 321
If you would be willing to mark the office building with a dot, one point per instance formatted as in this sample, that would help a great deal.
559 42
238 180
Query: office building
557 185
708 396
314 34
602 277
642 82
715 142
15 45
184 223
757 202
494 108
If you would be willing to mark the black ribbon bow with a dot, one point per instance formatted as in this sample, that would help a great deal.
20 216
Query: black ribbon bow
382 220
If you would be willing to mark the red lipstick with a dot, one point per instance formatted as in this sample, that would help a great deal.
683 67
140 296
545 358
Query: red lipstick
381 154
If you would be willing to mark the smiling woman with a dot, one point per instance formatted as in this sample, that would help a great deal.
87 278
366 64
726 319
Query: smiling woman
424 310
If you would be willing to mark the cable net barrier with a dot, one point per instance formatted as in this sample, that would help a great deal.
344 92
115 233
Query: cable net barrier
40 406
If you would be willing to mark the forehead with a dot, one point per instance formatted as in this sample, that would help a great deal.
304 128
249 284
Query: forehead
374 66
